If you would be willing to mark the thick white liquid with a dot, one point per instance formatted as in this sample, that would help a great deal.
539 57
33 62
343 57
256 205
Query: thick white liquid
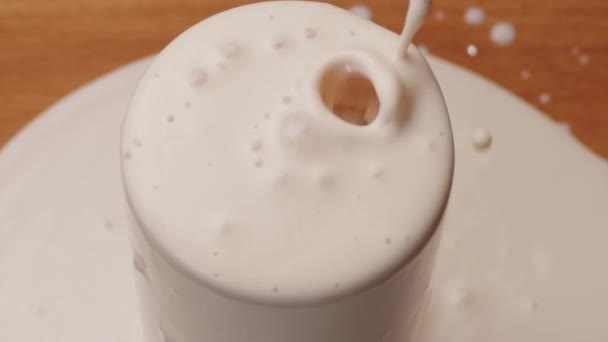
239 173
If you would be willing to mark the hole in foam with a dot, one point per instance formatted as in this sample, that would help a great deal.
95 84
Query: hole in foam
349 94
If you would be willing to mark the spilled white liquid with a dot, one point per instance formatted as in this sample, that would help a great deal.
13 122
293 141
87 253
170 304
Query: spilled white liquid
474 15
502 33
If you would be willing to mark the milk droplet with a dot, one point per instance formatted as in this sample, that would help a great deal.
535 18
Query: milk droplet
198 77
230 50
474 15
439 15
361 11
170 118
482 139
502 33
525 74
139 263
310 33
583 60
472 50
544 98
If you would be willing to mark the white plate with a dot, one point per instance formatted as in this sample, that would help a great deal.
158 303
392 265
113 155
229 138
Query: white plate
512 267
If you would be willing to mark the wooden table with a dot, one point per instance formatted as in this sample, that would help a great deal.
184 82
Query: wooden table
48 48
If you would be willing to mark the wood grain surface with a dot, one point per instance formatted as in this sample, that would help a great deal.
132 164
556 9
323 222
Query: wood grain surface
48 48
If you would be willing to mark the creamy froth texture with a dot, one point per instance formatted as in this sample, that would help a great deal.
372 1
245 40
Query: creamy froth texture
239 170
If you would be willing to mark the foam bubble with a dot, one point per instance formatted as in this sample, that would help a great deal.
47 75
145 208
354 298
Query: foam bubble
474 15
524 74
198 77
502 33
583 60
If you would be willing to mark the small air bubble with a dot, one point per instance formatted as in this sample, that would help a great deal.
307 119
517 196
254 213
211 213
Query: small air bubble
525 74
583 60
310 33
198 77
230 50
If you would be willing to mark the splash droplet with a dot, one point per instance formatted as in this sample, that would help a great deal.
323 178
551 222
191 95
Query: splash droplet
474 15
472 50
482 139
502 33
